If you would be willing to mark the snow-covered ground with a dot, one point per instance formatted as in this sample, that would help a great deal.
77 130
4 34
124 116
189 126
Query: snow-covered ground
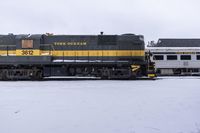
169 105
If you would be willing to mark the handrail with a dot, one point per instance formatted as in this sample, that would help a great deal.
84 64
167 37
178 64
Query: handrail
7 45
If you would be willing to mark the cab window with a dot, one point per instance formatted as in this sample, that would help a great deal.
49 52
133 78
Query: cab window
27 44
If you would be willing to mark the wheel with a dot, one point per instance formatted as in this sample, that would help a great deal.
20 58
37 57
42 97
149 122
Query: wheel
37 75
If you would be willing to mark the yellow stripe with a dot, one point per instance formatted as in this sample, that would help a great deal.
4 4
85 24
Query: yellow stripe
28 52
5 52
74 52
97 53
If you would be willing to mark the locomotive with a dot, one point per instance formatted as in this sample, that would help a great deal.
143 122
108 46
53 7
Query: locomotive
37 56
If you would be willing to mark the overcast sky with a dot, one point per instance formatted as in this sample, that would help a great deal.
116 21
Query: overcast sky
152 18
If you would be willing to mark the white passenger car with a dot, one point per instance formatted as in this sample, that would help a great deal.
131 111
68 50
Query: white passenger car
176 60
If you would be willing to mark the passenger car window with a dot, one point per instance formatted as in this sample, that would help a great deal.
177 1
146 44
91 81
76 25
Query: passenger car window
158 57
171 57
185 57
198 57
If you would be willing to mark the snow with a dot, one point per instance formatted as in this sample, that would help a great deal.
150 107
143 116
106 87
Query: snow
166 105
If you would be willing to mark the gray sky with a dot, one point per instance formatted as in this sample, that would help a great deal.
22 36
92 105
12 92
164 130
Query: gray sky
152 18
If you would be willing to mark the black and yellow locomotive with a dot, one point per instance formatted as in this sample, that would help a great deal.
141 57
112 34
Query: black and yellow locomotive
45 55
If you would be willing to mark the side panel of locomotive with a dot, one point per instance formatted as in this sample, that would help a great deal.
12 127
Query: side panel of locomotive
7 45
110 48
108 56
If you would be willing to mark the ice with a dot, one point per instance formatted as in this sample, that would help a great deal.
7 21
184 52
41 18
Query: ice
167 105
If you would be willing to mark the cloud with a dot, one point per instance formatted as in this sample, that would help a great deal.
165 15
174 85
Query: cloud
152 18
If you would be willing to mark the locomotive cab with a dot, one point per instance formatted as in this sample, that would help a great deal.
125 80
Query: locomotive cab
28 45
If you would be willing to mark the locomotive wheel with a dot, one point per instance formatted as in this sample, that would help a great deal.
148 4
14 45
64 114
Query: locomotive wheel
4 76
105 74
37 75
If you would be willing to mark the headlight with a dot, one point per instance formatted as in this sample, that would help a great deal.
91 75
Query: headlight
141 38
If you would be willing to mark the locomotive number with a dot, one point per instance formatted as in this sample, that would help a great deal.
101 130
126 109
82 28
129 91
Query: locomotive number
27 52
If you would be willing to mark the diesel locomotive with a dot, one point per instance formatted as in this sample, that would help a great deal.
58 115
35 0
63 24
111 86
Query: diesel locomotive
37 56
